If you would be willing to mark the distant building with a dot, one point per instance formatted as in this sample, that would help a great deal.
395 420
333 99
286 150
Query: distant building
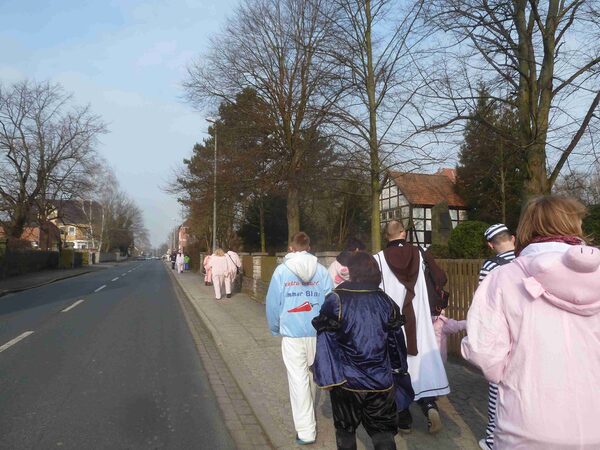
183 235
427 204
43 237
79 222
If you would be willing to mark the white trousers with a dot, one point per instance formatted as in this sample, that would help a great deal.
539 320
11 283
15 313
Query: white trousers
180 267
298 356
218 282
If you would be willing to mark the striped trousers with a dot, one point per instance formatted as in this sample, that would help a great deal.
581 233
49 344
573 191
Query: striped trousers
491 426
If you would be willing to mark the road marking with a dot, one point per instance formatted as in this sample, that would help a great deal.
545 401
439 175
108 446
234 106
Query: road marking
100 288
115 279
15 340
124 274
78 302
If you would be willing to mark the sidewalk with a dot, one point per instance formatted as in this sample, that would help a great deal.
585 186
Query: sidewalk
37 279
239 329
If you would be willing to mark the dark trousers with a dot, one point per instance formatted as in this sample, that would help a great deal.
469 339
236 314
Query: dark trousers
375 410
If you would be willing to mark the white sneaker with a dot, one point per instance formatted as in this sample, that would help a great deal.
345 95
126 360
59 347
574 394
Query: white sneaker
484 445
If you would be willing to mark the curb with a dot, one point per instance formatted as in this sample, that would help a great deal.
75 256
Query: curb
275 436
53 280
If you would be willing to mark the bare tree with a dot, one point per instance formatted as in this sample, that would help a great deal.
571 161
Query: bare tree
541 57
272 47
582 184
375 44
46 150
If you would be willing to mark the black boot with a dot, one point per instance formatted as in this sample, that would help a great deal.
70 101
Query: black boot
345 440
383 441
404 421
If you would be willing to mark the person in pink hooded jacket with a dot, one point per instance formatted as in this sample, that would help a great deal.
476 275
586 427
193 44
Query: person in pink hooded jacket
534 329
207 270
338 269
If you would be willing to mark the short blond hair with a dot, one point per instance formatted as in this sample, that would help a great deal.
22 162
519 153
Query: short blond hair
219 252
394 228
550 215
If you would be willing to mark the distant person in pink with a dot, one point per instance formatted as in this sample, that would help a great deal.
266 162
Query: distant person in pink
534 329
207 270
179 261
338 269
221 268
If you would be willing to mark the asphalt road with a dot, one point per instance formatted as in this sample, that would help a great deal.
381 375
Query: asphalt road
118 370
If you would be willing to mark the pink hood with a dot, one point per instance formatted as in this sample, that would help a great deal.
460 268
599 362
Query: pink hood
569 281
338 273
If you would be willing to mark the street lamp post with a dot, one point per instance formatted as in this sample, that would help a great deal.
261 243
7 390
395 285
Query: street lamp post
174 237
214 225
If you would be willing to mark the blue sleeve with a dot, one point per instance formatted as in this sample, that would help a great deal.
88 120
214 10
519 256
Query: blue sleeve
328 318
273 301
327 369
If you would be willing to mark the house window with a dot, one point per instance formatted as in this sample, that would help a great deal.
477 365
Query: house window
457 216
71 231
421 226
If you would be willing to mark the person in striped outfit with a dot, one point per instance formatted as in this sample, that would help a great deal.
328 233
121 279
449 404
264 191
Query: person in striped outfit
502 241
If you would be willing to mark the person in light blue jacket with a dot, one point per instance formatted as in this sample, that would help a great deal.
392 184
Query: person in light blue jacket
295 296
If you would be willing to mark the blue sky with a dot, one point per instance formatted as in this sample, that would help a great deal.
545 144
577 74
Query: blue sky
127 59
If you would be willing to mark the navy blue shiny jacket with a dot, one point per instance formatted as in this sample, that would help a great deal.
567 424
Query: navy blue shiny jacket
359 339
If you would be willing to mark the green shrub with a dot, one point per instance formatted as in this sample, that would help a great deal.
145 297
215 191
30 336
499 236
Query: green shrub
85 258
591 225
467 241
439 251
67 258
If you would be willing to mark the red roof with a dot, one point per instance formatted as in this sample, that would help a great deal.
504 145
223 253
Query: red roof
428 189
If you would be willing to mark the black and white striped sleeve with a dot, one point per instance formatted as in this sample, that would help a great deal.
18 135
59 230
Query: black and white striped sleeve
486 268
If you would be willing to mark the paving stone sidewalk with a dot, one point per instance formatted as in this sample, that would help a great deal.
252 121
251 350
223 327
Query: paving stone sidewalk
239 329
43 277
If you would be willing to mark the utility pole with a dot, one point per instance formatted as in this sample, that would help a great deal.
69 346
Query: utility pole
214 225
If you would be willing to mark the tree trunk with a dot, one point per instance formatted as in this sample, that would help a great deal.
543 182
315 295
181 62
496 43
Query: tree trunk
537 177
293 211
18 223
502 180
373 140
263 238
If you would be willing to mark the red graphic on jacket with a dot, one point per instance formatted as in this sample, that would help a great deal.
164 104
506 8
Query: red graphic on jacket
304 307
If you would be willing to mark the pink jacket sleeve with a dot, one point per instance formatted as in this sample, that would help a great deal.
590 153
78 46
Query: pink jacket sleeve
487 343
452 326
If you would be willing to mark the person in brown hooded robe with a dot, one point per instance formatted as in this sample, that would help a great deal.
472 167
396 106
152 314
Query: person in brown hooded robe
403 279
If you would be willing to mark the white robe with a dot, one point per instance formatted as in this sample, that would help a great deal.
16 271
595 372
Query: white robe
426 369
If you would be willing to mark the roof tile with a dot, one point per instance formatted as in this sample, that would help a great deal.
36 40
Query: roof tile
427 189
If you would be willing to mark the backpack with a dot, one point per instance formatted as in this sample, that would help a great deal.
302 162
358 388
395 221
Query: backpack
438 297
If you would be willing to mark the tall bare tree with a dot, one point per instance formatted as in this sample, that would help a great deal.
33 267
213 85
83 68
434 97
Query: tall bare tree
272 47
46 150
375 45
540 56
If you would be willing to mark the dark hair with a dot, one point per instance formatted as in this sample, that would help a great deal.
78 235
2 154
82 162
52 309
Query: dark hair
353 244
364 269
300 242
